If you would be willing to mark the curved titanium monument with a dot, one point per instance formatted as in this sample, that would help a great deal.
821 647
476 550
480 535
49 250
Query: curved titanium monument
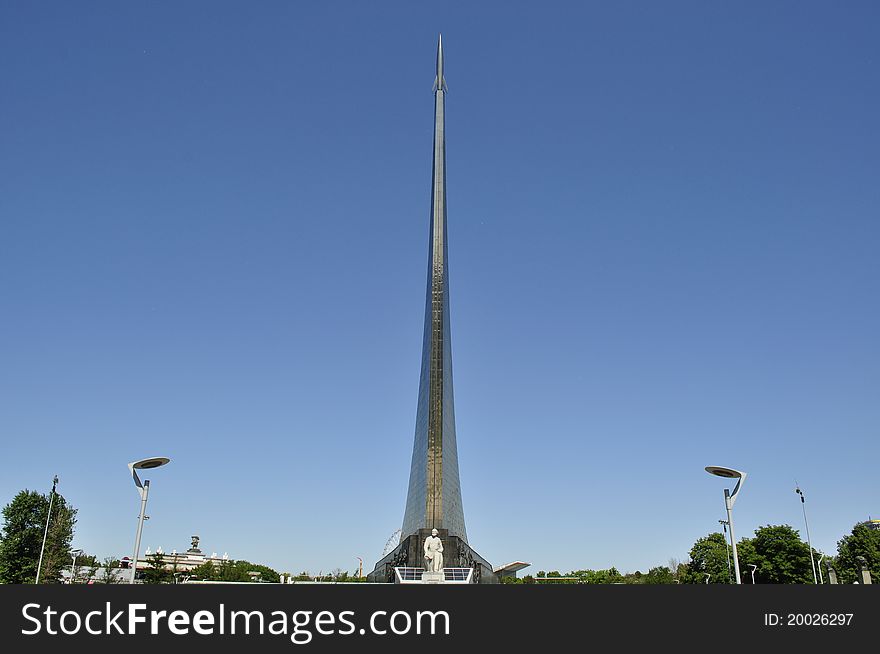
433 500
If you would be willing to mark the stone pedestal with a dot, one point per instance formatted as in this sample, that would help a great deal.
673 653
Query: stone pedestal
411 554
832 575
433 577
864 573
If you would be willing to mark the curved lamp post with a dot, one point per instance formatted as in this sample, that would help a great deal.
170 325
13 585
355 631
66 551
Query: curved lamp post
143 491
729 499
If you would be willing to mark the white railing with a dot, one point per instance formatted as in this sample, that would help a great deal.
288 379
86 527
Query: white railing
405 575
458 575
409 575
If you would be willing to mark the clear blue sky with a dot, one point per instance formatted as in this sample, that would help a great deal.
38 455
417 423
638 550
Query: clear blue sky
663 242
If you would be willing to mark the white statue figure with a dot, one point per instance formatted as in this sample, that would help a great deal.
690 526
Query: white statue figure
434 552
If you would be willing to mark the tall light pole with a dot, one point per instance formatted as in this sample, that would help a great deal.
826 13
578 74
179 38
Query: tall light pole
807 525
729 499
726 547
143 491
46 531
74 553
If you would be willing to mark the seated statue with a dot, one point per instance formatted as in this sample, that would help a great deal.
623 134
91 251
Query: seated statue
433 553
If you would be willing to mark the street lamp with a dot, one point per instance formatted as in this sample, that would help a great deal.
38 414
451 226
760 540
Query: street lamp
729 499
74 553
143 491
809 544
753 567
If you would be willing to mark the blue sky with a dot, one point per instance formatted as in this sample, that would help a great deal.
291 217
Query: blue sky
663 236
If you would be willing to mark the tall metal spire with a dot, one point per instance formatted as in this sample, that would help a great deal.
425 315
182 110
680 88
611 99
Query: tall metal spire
434 496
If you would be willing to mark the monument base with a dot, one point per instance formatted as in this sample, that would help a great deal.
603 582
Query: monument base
411 554
433 577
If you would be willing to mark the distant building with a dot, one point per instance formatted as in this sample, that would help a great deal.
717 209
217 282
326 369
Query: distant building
871 524
182 562
177 562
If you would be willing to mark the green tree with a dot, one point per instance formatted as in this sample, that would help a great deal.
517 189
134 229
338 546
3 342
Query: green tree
156 573
862 541
633 577
237 571
678 569
110 574
204 572
83 568
87 560
226 571
708 556
780 554
267 574
609 576
24 521
745 552
659 575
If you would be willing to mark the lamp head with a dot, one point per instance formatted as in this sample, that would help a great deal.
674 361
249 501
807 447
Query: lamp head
727 473
145 464
148 464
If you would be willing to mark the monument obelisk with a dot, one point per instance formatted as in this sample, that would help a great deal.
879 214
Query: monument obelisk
433 499
434 496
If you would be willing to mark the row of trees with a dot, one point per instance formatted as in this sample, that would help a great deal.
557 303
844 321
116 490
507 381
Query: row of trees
659 575
21 538
778 555
777 552
338 575
87 569
234 571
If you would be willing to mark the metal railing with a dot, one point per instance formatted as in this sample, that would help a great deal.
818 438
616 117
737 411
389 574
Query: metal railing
406 575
